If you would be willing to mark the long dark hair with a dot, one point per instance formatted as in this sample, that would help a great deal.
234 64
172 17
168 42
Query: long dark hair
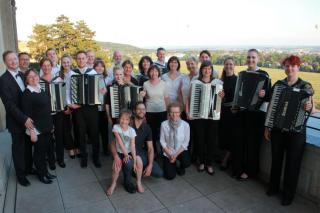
141 62
203 65
224 74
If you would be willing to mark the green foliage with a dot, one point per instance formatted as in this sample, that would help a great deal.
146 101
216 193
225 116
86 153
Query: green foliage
64 35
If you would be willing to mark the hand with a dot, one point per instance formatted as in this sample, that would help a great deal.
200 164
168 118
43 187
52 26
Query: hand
33 136
117 164
308 106
221 94
267 134
74 106
68 111
29 124
189 117
127 158
147 171
262 93
173 158
142 93
103 91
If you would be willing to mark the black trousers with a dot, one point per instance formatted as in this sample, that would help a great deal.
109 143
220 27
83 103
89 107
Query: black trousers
62 134
18 153
170 169
28 154
248 147
76 140
103 130
39 154
293 145
154 119
206 132
86 119
191 148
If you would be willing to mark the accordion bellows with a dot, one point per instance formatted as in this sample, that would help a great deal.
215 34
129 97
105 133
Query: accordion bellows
205 103
57 93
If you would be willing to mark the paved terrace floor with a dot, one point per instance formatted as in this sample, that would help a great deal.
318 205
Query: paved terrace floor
83 190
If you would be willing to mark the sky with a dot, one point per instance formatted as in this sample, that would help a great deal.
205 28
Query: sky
181 23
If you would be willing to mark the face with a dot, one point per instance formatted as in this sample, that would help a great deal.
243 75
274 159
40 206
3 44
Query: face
118 75
252 60
146 64
32 79
11 61
52 55
204 57
82 60
229 66
46 67
206 72
291 70
117 57
161 55
174 113
192 66
99 68
91 57
173 65
124 120
140 111
24 61
154 74
66 63
127 70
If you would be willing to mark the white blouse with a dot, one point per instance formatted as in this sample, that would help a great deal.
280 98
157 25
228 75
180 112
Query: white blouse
183 137
172 85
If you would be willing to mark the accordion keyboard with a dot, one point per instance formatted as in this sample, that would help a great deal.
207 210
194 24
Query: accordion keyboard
273 106
195 100
115 104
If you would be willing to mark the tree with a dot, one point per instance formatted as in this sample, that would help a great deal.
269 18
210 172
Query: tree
64 36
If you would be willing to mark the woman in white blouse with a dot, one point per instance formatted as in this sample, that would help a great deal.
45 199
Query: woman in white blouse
173 79
174 139
156 102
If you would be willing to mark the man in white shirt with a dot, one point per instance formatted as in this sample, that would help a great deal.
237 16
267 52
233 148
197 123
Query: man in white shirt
11 89
117 60
91 58
161 61
24 61
86 116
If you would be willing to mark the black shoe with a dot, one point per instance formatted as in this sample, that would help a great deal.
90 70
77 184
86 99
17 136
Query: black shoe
33 171
72 156
79 155
271 192
181 171
50 176
286 201
52 167
62 164
84 163
210 172
223 168
24 181
45 180
97 163
130 187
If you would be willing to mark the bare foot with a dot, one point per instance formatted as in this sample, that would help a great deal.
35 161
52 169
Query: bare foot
111 189
140 188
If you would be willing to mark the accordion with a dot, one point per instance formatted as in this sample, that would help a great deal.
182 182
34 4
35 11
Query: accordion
85 89
123 97
57 93
248 86
205 103
286 108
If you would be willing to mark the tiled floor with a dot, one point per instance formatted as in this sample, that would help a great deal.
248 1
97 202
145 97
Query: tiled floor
79 190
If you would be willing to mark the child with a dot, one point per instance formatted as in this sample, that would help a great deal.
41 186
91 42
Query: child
125 145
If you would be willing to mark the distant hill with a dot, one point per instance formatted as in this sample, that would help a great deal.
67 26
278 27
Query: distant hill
123 47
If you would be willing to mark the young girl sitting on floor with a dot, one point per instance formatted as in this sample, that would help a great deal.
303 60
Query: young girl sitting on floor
125 145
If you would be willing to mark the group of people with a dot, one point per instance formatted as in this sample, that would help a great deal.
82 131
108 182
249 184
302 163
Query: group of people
158 128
